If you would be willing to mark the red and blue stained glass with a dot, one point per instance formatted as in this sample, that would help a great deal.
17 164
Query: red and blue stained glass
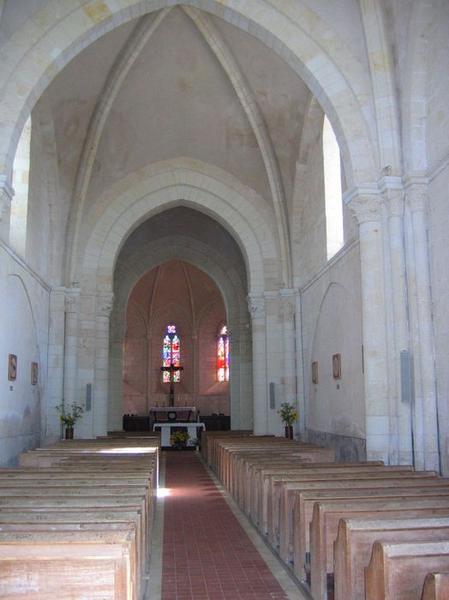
171 354
223 355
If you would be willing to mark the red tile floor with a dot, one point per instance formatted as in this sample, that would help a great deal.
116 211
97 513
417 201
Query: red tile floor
206 553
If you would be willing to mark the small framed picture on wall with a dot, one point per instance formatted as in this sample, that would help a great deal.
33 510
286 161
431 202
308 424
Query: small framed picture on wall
34 373
12 367
315 372
336 366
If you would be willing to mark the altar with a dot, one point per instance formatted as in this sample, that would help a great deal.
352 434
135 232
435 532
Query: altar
168 419
166 429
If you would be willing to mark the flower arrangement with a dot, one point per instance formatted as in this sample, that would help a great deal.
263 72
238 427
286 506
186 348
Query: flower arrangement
288 413
69 418
179 439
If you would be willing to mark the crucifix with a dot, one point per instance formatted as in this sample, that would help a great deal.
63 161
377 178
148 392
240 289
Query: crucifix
172 370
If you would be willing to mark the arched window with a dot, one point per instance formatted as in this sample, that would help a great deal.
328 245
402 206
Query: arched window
223 355
20 177
171 354
332 190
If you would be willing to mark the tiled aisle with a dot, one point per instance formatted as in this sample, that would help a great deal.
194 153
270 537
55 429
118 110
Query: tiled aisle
206 553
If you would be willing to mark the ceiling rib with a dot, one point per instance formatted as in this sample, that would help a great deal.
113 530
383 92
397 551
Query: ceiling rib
136 42
254 115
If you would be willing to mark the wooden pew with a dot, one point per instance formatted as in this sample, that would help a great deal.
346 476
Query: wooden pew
355 539
49 565
63 501
436 587
283 533
398 571
324 526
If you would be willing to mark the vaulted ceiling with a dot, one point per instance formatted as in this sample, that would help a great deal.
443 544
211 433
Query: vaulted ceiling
176 83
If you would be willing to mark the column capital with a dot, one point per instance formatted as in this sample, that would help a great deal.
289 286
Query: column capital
72 296
365 203
416 196
392 189
103 304
6 194
256 306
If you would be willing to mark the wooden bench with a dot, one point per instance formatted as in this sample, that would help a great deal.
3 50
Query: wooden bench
355 539
67 564
283 532
398 571
87 495
324 527
436 587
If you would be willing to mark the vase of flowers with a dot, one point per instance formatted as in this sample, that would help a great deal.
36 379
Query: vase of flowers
179 439
69 417
289 415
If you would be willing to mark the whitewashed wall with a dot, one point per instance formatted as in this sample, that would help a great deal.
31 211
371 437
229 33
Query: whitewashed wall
24 302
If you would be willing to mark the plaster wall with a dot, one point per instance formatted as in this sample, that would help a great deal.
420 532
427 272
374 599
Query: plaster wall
331 318
24 299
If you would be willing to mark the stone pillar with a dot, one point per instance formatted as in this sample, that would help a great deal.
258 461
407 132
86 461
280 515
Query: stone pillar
426 427
256 305
55 392
245 370
103 307
196 366
115 385
6 196
300 366
72 307
288 309
401 443
148 372
366 206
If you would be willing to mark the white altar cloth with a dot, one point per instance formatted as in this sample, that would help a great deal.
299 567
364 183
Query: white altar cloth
192 430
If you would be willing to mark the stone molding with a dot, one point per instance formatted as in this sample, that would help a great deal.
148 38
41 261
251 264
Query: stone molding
256 306
287 309
392 190
6 195
365 204
416 196
72 296
104 303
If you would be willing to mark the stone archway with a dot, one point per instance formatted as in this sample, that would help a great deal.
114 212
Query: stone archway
58 36
231 286
243 217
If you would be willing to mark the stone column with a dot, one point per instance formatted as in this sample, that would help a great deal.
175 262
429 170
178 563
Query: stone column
196 367
401 444
55 392
256 305
103 306
366 206
115 385
427 453
72 307
288 306
148 372
245 369
6 196
300 366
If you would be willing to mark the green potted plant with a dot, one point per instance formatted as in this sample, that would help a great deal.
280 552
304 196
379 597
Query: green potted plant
69 417
289 415
179 439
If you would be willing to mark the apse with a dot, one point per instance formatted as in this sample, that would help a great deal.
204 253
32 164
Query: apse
180 273
175 313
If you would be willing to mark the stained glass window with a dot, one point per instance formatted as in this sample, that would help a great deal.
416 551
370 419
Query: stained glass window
223 355
171 354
